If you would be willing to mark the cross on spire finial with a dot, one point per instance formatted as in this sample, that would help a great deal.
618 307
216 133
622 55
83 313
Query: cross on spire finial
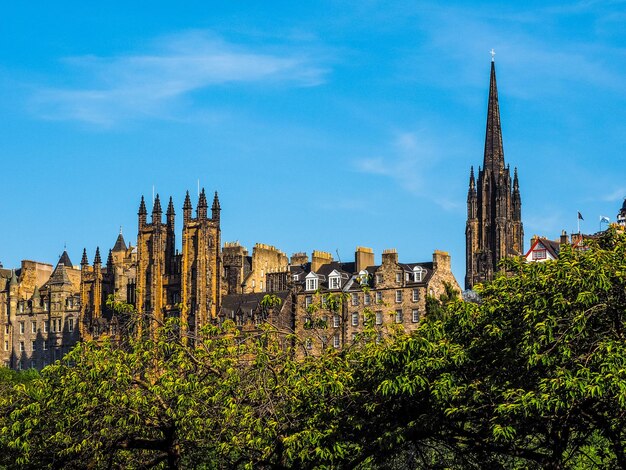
493 55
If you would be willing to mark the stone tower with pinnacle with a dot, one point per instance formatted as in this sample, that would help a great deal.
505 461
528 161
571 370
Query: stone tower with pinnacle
494 227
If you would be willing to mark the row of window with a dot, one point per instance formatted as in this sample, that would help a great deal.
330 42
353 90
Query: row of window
399 295
54 325
334 279
69 303
33 346
398 318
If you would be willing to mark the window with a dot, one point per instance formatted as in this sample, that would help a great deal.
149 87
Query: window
398 296
379 278
70 325
308 300
33 327
6 329
415 315
334 282
261 286
311 282
21 345
416 295
294 277
367 299
539 254
379 297
19 364
355 319
32 364
21 327
45 346
45 326
398 277
355 299
399 316
308 343
59 325
6 345
336 343
379 318
21 307
45 305
336 321
418 274
70 302
354 336
33 346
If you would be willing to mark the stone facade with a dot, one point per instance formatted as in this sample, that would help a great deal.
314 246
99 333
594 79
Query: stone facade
333 300
494 227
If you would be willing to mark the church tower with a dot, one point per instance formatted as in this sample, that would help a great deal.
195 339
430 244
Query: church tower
494 227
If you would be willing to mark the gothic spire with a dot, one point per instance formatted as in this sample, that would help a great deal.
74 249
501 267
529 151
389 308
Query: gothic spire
515 181
143 212
170 208
472 181
84 261
187 208
110 261
494 151
13 281
97 259
202 206
215 208
156 210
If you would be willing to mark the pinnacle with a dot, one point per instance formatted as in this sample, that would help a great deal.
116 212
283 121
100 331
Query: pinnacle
142 207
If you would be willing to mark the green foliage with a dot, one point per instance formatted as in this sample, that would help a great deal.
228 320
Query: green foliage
533 376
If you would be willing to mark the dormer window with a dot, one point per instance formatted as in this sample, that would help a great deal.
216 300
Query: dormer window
363 278
334 280
311 282
418 274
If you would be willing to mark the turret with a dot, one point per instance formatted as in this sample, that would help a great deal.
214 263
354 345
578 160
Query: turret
517 199
215 208
170 214
97 261
143 213
187 208
157 212
201 211
471 196
110 262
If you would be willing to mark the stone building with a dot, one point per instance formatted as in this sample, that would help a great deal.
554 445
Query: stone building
494 227
333 300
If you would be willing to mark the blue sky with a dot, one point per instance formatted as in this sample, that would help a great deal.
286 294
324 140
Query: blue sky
323 125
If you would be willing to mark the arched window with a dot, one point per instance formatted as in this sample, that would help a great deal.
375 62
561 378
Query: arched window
418 274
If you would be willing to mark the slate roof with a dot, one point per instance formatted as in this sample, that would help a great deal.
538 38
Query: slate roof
246 303
120 244
65 259
59 276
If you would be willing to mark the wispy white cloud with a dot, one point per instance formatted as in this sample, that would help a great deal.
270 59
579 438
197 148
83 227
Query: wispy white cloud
115 88
410 162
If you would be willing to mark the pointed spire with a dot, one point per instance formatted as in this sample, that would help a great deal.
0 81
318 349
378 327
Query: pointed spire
201 211
472 181
156 210
36 295
170 208
97 259
120 243
65 259
84 261
187 208
110 260
515 180
143 212
494 151
215 208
